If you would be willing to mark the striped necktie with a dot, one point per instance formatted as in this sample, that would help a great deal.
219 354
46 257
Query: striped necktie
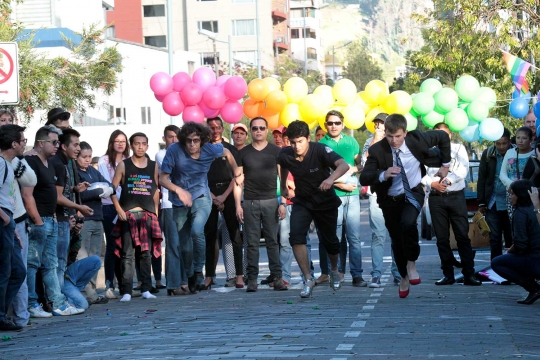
408 192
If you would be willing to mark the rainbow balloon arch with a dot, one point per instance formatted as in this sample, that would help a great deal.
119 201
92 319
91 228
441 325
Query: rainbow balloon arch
464 109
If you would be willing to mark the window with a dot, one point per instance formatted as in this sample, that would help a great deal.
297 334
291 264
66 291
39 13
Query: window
153 10
191 67
157 41
243 27
310 33
119 113
208 58
145 115
246 57
311 53
110 32
211 26
295 34
111 111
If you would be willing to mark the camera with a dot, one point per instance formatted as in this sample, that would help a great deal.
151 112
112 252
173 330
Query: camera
79 220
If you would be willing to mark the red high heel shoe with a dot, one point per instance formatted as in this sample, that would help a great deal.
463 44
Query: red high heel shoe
404 293
415 281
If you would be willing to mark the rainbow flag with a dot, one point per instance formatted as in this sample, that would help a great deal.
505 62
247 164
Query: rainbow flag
518 69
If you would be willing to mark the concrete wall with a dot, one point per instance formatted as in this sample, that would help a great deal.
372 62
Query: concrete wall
126 18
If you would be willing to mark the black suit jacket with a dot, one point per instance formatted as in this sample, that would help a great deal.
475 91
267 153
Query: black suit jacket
419 143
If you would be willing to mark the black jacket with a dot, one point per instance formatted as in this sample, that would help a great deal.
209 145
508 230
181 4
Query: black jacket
91 197
419 143
486 176
526 231
532 171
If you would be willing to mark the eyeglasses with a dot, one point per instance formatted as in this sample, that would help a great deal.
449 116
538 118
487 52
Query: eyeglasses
193 141
24 141
260 128
54 142
65 127
120 142
335 123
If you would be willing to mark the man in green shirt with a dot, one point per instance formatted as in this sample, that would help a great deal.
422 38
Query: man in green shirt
346 187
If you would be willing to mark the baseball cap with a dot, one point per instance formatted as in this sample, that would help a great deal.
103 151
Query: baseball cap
380 117
280 129
239 126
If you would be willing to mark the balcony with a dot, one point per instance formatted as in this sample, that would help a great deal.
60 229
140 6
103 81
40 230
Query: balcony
281 46
309 22
279 15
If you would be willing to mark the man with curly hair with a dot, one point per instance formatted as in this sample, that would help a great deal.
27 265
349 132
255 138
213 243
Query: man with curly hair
184 172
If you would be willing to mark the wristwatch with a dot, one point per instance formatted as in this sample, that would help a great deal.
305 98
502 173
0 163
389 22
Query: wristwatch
537 211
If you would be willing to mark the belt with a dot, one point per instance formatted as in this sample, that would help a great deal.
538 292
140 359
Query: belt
221 184
7 211
447 193
397 197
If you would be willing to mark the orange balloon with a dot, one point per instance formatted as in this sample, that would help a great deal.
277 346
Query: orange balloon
273 121
267 113
276 101
273 83
258 89
253 108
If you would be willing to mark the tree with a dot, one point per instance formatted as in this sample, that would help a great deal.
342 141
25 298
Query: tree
360 68
67 82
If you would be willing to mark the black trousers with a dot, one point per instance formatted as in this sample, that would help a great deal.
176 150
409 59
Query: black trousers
127 258
499 224
211 233
400 218
451 209
325 221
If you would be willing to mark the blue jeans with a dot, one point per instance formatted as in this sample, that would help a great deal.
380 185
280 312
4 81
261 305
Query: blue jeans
520 269
378 236
174 266
62 249
285 250
499 224
78 275
349 224
190 223
20 303
42 254
12 271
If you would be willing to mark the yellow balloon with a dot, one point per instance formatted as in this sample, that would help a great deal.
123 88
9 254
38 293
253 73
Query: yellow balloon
325 92
295 88
370 116
344 91
289 114
362 103
398 102
376 92
353 116
363 95
273 83
312 107
312 125
322 123
337 107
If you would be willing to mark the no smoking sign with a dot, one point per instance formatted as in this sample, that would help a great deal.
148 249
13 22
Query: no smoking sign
9 73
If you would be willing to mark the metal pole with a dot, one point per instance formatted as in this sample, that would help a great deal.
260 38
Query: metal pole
215 59
259 72
230 55
333 63
170 42
305 44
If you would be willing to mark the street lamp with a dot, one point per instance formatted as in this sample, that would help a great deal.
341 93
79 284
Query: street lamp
334 58
212 36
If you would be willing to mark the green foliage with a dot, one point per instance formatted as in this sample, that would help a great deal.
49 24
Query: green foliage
68 82
360 68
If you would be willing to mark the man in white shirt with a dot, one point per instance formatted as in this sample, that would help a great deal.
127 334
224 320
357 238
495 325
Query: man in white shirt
447 206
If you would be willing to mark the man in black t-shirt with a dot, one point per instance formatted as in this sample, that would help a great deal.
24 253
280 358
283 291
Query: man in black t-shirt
221 184
315 198
258 163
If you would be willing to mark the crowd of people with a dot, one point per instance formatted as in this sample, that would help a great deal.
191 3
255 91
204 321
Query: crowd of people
57 201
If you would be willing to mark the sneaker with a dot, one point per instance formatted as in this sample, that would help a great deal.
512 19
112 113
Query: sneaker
286 283
67 310
231 283
99 300
279 284
110 294
359 282
252 286
37 311
6 325
375 282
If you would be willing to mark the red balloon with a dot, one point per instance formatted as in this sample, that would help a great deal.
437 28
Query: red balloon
191 94
172 104
180 80
193 113
214 98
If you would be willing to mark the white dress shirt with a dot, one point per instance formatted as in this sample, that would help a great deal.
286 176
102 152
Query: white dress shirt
459 168
411 165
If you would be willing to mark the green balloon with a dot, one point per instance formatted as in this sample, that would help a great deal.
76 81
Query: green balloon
463 105
467 88
456 119
446 100
477 110
412 122
488 96
423 103
430 86
432 119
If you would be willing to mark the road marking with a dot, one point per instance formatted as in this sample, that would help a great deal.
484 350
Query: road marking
373 301
358 324
344 347
363 315
368 307
352 333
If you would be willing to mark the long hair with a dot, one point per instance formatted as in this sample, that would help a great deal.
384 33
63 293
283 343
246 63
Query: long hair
110 148
521 189
189 128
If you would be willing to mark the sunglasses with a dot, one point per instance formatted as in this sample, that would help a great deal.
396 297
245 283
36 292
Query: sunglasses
54 142
335 123
260 128
193 141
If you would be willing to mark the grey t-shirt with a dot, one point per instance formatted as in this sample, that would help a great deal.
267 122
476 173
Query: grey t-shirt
7 187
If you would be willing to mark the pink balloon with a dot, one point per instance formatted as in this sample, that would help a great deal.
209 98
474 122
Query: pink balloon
208 113
235 88
222 80
204 77
172 104
180 80
232 112
214 98
160 97
191 94
161 83
193 113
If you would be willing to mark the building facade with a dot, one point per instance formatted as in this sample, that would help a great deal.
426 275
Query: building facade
306 33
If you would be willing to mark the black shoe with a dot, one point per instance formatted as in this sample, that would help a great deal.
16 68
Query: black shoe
471 281
269 279
153 290
531 298
446 281
200 281
6 325
192 284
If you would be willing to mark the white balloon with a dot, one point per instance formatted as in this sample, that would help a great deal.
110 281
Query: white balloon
491 129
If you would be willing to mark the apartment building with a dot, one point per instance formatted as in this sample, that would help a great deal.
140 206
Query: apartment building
306 32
